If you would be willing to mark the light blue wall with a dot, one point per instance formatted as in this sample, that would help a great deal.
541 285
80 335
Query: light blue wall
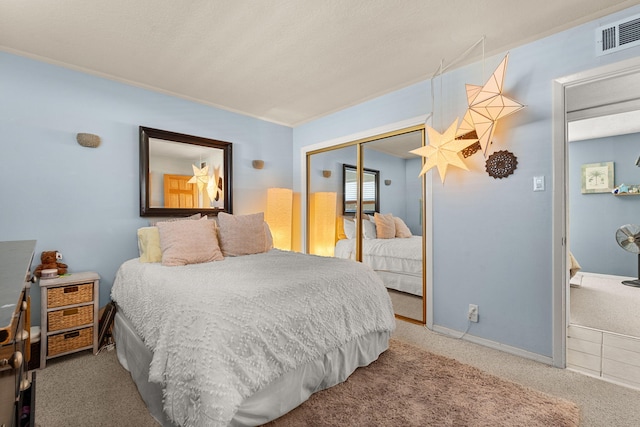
84 202
492 238
595 218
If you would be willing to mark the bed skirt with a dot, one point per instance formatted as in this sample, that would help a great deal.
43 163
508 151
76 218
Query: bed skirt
273 401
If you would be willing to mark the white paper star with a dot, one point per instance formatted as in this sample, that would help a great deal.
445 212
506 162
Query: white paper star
200 176
442 150
487 104
212 186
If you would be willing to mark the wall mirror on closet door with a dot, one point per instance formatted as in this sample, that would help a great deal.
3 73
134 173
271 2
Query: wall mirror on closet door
392 239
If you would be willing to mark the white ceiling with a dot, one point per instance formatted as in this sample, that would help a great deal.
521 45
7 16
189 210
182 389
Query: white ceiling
286 61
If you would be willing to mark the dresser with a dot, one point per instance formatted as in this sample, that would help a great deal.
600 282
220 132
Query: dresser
69 315
15 321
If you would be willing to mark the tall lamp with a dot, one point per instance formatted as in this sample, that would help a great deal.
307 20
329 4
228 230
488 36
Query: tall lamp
322 223
279 216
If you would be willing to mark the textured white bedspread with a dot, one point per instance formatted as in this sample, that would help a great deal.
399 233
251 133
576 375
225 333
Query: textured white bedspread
396 255
220 331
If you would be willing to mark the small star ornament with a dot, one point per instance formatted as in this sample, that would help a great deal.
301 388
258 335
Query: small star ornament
200 176
213 189
443 149
487 104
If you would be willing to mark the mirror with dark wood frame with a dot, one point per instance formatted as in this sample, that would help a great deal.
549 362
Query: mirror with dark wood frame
181 175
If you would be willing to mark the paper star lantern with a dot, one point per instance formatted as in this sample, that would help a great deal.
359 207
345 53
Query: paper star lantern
200 176
487 104
213 189
442 150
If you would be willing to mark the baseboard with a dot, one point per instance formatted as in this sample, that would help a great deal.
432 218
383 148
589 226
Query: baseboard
494 345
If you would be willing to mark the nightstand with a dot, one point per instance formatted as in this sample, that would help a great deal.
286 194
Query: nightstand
69 315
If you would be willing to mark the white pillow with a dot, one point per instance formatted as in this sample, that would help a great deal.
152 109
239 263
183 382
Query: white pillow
369 229
349 228
401 228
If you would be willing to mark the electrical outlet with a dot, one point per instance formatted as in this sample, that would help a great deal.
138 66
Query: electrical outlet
473 312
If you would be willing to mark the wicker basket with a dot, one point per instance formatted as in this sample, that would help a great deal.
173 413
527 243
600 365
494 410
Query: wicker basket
68 295
68 341
70 317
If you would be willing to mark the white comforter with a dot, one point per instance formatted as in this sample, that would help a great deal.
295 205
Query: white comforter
402 255
220 331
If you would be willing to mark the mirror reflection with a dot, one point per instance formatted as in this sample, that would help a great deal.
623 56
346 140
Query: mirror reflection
391 233
183 174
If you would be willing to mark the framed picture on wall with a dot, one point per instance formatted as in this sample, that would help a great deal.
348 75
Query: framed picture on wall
597 178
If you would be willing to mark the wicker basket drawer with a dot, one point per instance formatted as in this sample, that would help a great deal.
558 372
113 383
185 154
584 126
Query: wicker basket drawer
68 341
70 317
67 295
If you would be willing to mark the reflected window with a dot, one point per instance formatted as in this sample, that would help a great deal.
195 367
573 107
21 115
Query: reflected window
370 190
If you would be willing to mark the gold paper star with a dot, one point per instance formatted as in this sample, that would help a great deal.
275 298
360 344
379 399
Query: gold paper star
442 150
486 106
200 176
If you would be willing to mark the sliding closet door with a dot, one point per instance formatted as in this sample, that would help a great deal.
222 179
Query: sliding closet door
400 202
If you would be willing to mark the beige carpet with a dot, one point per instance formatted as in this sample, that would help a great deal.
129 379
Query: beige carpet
603 302
408 386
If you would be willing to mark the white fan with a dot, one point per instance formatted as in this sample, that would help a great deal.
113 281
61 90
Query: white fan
628 237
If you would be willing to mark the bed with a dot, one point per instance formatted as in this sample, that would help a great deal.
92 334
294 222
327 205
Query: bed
398 261
243 340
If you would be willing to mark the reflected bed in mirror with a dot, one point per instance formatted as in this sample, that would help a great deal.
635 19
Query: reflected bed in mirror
181 175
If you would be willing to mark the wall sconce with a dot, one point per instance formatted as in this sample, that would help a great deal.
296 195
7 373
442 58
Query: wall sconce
326 173
88 140
279 216
257 164
387 182
322 220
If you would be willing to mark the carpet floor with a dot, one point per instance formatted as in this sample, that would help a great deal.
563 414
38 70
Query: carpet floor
406 386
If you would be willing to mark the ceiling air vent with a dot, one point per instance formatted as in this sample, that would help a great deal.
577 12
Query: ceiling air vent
618 35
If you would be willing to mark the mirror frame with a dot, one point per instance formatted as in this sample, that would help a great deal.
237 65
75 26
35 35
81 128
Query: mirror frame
376 175
145 209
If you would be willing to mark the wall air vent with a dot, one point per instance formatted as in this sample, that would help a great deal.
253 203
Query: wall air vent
618 35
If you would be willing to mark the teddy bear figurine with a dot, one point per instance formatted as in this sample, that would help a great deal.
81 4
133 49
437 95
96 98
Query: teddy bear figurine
50 260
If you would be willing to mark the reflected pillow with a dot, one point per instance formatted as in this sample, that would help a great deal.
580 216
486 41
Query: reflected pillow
385 226
189 242
402 230
149 244
368 229
349 227
242 234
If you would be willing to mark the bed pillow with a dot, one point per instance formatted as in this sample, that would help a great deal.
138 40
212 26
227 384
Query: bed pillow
268 237
385 226
242 234
149 244
189 242
402 230
369 229
349 227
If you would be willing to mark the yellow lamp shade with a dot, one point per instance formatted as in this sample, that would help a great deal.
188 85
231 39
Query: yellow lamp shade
279 216
322 223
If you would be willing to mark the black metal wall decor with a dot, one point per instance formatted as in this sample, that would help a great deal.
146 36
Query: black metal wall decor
501 164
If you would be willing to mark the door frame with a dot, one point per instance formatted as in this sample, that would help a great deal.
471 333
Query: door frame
560 221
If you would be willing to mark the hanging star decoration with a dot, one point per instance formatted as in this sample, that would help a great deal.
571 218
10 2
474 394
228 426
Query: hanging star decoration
487 104
213 189
443 149
200 176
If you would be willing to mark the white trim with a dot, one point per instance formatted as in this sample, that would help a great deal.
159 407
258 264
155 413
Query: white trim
560 275
494 345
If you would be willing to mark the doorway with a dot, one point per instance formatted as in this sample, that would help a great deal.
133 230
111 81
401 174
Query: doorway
588 264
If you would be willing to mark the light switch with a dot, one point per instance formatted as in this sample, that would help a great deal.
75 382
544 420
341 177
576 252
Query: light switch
538 183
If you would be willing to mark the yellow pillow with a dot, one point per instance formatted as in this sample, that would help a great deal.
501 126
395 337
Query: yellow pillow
149 244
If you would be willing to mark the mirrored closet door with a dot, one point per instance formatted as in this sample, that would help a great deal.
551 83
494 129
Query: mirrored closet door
365 203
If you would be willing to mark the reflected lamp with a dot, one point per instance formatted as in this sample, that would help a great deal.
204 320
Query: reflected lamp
322 223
